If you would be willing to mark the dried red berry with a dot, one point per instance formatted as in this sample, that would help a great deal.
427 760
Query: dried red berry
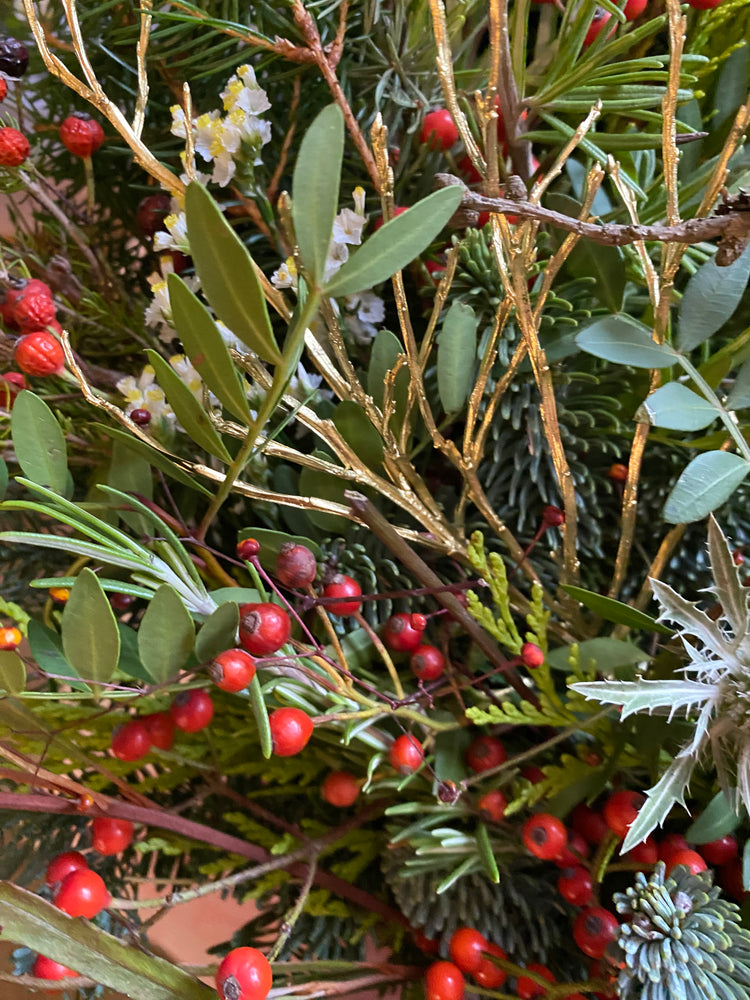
245 974
192 711
11 383
232 670
39 353
291 729
81 134
341 586
34 312
264 628
82 893
14 147
340 788
403 632
296 565
131 741
427 663
406 754
151 213
110 835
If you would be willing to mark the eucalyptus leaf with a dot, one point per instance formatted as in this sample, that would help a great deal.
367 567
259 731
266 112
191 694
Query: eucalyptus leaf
315 189
746 866
39 442
130 661
352 423
228 275
129 472
717 820
678 408
90 639
396 244
166 635
456 356
218 632
739 395
705 484
12 672
153 457
626 342
710 299
615 611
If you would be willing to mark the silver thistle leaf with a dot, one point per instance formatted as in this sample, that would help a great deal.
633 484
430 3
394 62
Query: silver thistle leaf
646 696
668 790
727 583
692 620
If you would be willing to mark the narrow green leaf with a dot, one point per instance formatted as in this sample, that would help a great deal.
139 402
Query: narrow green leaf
218 632
354 427
717 820
624 341
456 356
615 611
678 408
166 635
90 639
466 866
188 410
206 349
228 276
154 457
39 442
486 854
235 595
315 188
705 484
12 672
711 297
260 712
396 244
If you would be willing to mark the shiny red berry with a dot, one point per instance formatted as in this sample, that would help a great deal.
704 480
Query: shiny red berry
720 851
589 823
121 602
245 974
406 754
403 632
465 947
428 945
427 663
14 147
634 9
81 134
552 517
618 472
439 130
492 806
131 741
704 4
151 213
192 711
62 865
570 856
340 789
532 656
160 728
620 809
645 853
600 19
489 975
247 548
730 877
232 670
140 416
545 836
527 988
444 981
46 968
594 929
82 893
39 353
291 729
342 585
34 312
3 89
670 844
264 628
576 886
485 752
14 57
690 859
296 566
11 383
110 835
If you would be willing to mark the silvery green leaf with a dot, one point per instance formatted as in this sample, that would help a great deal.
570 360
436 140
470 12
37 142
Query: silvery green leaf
727 584
646 696
692 620
668 790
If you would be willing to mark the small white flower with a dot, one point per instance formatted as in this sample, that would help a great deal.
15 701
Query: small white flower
303 384
338 254
144 394
204 133
229 338
178 122
224 169
370 308
347 227
176 237
286 275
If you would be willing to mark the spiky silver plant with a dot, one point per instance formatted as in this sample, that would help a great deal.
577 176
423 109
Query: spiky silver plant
681 941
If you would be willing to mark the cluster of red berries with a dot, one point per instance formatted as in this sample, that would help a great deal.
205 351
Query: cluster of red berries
28 306
190 711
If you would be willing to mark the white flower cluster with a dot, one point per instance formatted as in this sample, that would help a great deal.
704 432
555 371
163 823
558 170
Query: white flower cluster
143 393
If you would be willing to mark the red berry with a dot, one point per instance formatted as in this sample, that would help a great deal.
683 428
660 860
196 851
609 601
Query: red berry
634 9
545 836
730 877
232 670
552 517
131 741
485 752
576 886
571 856
11 383
444 981
670 844
81 134
14 147
110 835
618 472
291 729
397 210
244 974
264 628
14 57
427 663
533 774
151 213
428 945
34 312
645 853
62 865
593 930
620 809
466 947
10 637
439 130
467 168
492 806
46 968
160 728
526 988
3 88
192 711
531 655
601 17
39 353
704 4
406 754
82 893
121 602
403 632
247 548
343 586
340 789
488 974
140 416
690 859
296 565
720 851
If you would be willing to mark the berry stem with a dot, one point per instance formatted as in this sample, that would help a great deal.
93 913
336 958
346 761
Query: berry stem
383 653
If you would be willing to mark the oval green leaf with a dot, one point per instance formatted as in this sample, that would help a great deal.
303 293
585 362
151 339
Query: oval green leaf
12 672
717 820
166 635
46 648
711 297
206 349
384 354
705 484
396 244
677 408
218 632
354 427
315 188
608 653
90 638
456 356
622 340
39 442
614 611
739 397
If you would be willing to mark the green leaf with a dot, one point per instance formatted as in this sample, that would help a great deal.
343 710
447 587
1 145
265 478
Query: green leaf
166 635
206 349
717 820
352 423
228 276
218 632
384 354
739 396
260 712
677 408
314 483
130 662
39 442
235 595
450 747
615 611
46 648
90 638
396 244
188 410
608 653
456 356
711 297
486 854
27 919
315 189
705 484
153 457
271 541
4 478
622 340
12 672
